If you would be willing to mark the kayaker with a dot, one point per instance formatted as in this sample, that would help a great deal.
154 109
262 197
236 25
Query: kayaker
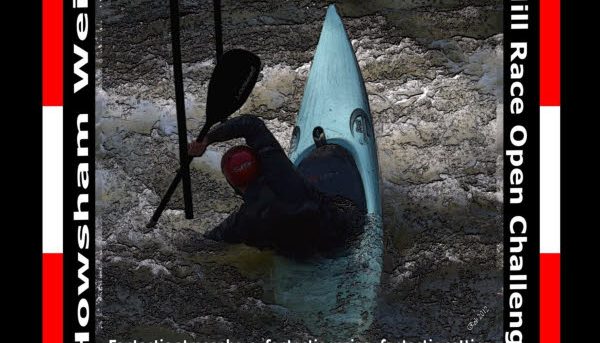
281 210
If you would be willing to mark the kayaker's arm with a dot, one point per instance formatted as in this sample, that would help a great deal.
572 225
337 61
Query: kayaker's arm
231 230
249 127
242 227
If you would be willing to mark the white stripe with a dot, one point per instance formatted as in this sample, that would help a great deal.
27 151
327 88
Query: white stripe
52 179
521 17
515 26
550 179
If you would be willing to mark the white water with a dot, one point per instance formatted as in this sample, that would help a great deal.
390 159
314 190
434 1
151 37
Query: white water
334 297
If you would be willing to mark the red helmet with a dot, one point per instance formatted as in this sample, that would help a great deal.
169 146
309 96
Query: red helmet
240 166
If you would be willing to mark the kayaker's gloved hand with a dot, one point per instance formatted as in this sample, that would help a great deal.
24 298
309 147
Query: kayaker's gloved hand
197 149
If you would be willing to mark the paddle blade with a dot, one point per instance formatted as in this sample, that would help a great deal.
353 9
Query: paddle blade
231 83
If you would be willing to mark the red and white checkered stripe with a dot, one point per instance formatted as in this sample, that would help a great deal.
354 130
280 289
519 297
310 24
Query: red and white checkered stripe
550 171
52 171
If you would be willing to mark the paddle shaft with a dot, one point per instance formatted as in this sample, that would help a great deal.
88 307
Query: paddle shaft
184 170
218 29
167 197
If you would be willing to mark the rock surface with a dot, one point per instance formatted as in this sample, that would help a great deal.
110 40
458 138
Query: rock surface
433 71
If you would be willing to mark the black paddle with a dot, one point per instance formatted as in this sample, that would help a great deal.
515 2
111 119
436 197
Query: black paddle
180 108
230 85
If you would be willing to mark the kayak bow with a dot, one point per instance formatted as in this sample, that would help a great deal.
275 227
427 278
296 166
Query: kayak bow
335 297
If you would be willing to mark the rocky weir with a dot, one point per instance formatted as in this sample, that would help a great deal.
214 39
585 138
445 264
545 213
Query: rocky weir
433 72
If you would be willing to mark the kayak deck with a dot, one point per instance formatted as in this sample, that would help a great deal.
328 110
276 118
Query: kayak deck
332 170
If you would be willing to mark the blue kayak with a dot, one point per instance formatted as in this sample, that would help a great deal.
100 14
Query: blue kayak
333 146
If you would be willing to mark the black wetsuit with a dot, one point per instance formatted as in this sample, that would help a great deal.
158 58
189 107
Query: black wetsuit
281 210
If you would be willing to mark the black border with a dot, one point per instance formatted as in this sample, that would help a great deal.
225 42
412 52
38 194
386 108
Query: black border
573 204
31 66
83 101
22 203
529 208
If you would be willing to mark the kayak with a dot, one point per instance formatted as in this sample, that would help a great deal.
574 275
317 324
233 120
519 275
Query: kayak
333 146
